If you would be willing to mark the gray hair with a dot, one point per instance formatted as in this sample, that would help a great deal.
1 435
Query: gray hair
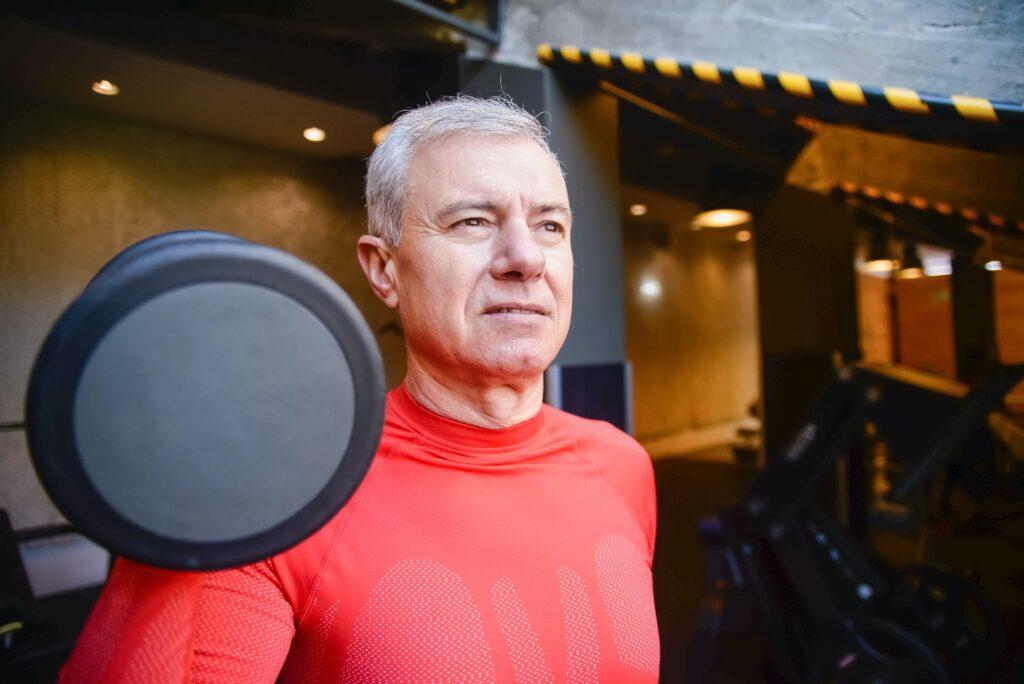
460 115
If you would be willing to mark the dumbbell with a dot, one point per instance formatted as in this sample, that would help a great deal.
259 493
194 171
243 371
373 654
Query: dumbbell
205 402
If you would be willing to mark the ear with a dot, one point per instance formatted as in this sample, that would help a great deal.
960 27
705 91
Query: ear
377 259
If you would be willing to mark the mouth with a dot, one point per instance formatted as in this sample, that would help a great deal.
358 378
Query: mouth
516 309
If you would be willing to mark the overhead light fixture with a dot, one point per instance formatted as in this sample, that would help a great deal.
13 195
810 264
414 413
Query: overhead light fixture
380 134
880 259
105 87
314 134
993 265
650 288
720 218
911 266
743 236
638 209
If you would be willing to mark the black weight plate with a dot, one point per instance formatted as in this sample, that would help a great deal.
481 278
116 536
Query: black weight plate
205 404
156 241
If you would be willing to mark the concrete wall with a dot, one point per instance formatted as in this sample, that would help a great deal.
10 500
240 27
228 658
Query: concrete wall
75 188
943 46
694 348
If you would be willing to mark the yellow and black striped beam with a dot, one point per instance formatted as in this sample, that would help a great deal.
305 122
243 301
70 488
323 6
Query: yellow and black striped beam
901 100
970 215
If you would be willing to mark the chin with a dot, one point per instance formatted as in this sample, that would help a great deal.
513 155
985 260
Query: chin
516 362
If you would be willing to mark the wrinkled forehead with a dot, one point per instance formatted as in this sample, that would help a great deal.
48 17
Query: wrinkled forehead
498 170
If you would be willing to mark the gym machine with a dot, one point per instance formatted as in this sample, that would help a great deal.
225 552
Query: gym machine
826 607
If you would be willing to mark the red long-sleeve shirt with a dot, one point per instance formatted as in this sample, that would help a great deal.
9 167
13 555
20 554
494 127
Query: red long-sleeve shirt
514 555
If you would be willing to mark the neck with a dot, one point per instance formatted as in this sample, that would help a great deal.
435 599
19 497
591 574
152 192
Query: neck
495 405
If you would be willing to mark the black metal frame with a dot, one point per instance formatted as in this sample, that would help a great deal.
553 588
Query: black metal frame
495 19
820 599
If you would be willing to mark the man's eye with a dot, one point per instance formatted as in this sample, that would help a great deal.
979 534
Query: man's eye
472 222
553 227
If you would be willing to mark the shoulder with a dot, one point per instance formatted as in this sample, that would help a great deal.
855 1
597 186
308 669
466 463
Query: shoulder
622 460
600 440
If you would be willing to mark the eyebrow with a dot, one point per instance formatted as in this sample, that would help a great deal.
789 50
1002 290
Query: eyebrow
484 205
552 208
456 207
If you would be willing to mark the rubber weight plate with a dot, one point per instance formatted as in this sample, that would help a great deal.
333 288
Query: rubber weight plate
205 404
157 241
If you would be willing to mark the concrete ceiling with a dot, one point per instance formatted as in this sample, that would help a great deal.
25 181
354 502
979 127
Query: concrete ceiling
54 66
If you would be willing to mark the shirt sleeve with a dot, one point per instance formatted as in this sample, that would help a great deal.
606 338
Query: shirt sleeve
160 625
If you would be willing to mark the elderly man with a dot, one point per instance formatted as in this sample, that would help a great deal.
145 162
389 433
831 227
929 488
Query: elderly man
494 538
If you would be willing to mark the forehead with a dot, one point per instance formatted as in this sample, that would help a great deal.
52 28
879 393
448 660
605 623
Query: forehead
495 168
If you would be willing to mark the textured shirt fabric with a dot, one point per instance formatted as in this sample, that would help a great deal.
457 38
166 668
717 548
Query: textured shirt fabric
466 555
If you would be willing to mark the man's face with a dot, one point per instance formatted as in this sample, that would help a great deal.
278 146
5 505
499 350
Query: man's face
483 272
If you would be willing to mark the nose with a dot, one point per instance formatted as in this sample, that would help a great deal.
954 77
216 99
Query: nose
517 255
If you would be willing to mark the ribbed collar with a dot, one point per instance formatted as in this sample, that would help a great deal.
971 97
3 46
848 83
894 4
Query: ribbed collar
460 436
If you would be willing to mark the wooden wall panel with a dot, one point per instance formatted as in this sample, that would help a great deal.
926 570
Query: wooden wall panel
925 318
694 349
1009 293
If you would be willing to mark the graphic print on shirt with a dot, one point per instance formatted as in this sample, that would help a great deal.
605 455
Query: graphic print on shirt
583 655
622 577
521 639
420 624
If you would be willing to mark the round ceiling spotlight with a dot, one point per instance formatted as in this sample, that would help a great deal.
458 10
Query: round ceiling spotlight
638 209
650 288
105 87
743 236
720 218
314 134
993 265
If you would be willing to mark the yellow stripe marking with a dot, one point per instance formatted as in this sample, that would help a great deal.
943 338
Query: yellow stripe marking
848 92
748 78
633 62
797 84
706 71
571 53
545 52
601 58
977 108
905 100
667 66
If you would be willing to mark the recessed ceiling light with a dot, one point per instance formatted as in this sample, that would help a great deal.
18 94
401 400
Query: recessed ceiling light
720 218
314 134
881 265
650 288
638 209
743 236
379 134
993 265
105 87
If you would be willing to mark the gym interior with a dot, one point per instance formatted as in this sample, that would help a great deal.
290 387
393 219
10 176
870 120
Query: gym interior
802 295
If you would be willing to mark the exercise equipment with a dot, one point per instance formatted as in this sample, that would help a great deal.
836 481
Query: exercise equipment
828 610
205 402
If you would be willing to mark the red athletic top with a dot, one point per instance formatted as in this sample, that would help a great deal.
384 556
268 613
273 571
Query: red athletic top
514 555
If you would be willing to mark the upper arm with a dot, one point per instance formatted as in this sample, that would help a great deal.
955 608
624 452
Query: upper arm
160 625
